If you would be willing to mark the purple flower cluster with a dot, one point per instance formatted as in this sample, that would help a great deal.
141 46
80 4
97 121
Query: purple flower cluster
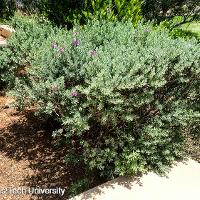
74 94
55 46
62 50
93 52
76 42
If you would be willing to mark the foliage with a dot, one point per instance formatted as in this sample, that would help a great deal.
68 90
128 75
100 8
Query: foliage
7 8
177 32
124 96
161 10
193 27
68 12
117 9
78 187
22 46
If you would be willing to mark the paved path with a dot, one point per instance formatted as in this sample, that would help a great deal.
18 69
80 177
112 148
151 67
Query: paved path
182 183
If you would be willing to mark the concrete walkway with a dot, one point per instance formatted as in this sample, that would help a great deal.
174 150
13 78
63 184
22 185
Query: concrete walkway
182 183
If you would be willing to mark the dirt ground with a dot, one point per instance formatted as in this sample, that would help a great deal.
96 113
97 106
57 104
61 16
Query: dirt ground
29 157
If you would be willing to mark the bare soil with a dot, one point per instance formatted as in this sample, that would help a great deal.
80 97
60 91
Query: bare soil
29 157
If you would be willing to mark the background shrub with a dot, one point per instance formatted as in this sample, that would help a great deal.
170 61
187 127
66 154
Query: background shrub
7 8
180 32
161 10
124 96
67 12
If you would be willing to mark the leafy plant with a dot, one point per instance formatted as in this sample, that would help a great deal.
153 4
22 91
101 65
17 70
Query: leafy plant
78 187
67 13
126 96
117 9
161 10
179 31
7 8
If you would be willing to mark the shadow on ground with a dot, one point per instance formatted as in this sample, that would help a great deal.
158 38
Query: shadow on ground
126 182
26 137
29 138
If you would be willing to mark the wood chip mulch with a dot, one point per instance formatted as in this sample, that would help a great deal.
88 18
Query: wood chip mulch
29 157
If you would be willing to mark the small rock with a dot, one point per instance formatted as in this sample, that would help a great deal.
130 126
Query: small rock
6 31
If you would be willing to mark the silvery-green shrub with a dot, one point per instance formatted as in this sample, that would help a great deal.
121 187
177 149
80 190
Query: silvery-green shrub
23 45
125 96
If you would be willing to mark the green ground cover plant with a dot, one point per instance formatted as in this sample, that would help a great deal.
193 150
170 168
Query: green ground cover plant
125 96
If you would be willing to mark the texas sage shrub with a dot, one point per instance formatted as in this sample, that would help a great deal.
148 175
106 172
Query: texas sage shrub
21 50
123 96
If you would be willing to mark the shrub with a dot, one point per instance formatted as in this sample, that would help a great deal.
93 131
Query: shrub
117 9
78 187
176 32
7 8
123 96
22 46
167 9
67 12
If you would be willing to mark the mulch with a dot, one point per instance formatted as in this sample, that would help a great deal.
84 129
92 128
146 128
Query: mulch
29 157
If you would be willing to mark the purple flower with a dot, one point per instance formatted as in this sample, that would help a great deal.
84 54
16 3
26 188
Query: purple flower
62 50
76 42
54 45
93 52
74 94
